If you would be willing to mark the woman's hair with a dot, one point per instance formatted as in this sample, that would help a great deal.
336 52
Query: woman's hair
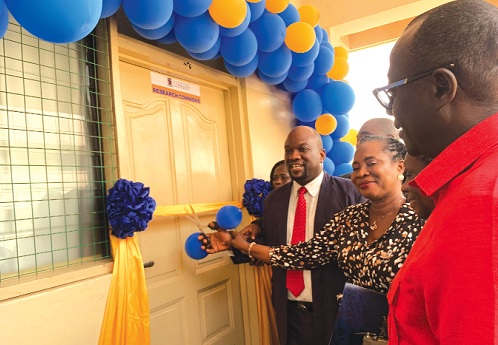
391 145
275 168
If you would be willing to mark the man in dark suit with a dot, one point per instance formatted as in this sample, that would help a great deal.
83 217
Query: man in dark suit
308 318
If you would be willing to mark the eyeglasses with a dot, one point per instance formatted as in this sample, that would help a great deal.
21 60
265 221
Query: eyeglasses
384 95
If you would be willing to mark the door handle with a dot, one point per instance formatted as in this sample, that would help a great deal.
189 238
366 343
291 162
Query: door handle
148 264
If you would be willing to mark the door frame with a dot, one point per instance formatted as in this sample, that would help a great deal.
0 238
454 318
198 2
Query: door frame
124 48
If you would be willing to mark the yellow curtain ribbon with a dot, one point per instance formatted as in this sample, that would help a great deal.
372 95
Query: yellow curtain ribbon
182 210
268 334
126 318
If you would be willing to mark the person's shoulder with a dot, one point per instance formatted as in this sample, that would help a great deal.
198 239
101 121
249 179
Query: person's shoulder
337 180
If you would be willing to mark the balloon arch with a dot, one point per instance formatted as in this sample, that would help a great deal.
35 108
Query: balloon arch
283 44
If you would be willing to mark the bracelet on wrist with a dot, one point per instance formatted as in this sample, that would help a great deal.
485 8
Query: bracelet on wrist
249 250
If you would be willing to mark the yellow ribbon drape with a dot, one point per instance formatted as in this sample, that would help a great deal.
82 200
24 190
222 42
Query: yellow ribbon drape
268 334
182 210
126 318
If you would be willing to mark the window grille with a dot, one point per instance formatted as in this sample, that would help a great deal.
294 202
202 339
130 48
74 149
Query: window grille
56 148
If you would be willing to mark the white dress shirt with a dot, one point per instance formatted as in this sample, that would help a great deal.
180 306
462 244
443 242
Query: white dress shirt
311 196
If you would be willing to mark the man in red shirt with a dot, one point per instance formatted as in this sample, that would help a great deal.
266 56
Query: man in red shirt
444 96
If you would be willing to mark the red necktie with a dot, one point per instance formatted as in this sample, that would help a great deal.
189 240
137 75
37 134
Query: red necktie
295 280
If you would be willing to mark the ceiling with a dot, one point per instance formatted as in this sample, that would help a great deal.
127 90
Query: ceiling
359 24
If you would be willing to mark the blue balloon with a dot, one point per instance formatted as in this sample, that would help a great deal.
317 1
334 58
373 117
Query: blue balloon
325 35
290 15
193 247
147 14
4 19
301 73
57 21
272 80
257 9
302 123
270 32
324 60
294 86
344 168
342 127
276 63
239 50
341 152
318 33
238 29
158 33
318 82
281 87
328 166
244 70
303 59
327 142
207 55
191 8
229 217
169 38
327 45
197 34
307 105
109 7
338 97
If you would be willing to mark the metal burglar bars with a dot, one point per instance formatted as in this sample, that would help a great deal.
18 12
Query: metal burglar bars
56 148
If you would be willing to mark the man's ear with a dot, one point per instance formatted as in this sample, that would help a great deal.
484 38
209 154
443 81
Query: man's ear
446 86
323 154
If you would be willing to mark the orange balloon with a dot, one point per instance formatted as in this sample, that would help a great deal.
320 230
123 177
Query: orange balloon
350 137
309 14
340 69
276 6
253 1
300 37
325 124
228 13
341 52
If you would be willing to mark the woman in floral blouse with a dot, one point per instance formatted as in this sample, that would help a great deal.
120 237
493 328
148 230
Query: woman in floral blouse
370 241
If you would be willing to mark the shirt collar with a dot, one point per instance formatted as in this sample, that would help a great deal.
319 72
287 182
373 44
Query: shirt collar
458 156
312 187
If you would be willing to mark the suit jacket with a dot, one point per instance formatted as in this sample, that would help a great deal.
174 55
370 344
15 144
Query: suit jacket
327 281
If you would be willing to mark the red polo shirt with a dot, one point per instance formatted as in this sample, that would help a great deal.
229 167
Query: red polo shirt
447 290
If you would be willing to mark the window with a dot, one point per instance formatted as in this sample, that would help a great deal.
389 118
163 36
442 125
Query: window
55 142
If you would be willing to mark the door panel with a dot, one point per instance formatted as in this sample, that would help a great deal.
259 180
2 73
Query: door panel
180 150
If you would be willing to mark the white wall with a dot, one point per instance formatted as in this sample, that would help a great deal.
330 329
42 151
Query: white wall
270 120
69 315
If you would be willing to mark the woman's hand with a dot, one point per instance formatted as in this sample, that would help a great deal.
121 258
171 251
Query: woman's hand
240 242
252 230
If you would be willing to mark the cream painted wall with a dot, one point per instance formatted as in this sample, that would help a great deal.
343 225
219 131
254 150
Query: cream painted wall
270 117
69 315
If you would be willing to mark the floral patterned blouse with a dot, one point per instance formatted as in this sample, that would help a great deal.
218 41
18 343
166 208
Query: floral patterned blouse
344 239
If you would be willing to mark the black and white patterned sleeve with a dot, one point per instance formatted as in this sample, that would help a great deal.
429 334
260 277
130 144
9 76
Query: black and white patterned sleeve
318 251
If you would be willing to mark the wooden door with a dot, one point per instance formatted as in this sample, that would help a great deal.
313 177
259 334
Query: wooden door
179 148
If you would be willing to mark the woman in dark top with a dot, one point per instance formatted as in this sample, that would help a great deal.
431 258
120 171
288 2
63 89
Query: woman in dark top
279 175
369 241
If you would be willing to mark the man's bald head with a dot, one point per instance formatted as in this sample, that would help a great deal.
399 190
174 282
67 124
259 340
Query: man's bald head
381 126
